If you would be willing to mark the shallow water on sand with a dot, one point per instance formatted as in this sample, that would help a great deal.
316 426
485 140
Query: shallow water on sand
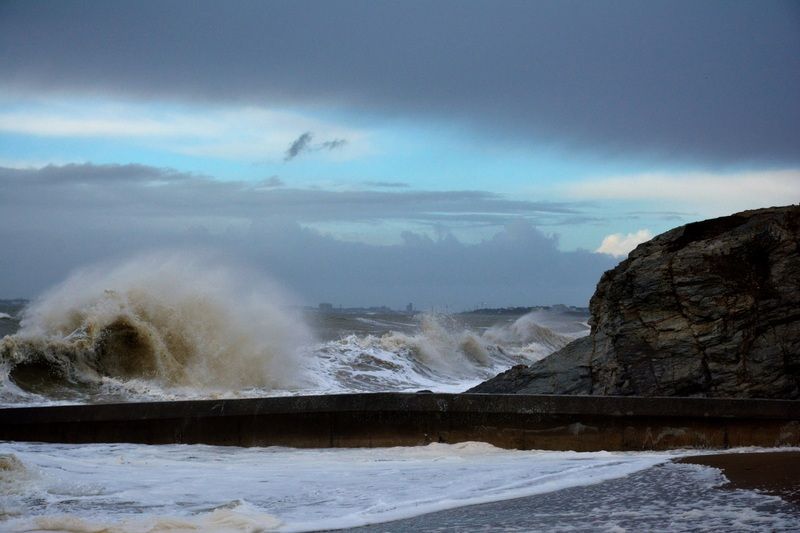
140 488
667 497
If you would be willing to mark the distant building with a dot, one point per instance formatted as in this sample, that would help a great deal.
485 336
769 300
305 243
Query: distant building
326 307
410 308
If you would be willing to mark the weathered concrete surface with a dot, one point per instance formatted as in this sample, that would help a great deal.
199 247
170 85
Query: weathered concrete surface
393 419
707 309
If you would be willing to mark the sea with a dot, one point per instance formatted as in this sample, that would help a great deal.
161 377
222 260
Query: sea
169 326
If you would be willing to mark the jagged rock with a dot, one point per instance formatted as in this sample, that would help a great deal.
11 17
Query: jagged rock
707 309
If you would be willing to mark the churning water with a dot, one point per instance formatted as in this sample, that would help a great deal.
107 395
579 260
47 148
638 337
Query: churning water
174 326
168 326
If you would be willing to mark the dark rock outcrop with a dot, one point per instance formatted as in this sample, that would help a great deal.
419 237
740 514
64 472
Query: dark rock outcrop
707 309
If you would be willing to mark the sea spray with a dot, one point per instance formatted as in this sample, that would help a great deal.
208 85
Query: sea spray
15 486
531 330
167 326
183 319
440 345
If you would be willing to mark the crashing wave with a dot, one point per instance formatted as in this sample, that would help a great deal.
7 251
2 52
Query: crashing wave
441 355
169 326
173 320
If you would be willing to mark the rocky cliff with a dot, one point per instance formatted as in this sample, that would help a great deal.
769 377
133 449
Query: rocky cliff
707 309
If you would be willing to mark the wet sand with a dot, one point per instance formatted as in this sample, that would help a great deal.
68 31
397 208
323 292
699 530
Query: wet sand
667 497
776 473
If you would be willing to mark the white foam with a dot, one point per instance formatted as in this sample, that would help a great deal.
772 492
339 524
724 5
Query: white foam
236 518
441 356
529 329
302 490
137 488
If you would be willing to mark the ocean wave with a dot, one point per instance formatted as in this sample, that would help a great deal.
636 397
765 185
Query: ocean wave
170 320
441 355
168 326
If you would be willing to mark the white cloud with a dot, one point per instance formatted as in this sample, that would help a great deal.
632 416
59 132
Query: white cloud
711 194
34 164
245 133
51 125
256 133
620 245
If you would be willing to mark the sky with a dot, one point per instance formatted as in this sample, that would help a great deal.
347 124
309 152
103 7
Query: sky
452 154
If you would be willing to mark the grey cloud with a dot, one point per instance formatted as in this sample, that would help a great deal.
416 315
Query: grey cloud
581 219
387 184
335 144
53 220
73 174
676 216
663 213
715 81
298 146
518 266
272 181
160 192
303 144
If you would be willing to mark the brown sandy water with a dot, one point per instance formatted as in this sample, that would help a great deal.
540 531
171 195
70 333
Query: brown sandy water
776 473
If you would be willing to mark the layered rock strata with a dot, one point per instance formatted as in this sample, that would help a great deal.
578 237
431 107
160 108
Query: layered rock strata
711 308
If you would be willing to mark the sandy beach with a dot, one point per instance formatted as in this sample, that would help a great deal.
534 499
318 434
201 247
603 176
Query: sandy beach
776 473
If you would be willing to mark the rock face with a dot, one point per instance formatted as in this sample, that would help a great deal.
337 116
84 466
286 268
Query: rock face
707 309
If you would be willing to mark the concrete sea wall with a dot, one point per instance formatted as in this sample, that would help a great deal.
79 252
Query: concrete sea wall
583 423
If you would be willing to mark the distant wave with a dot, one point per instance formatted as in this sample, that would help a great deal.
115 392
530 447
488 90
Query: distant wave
440 355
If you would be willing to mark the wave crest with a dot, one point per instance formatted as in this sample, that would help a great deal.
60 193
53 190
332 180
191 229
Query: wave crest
175 320
442 355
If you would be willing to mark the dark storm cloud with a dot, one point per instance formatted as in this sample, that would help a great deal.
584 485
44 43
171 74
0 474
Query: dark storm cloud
55 219
715 80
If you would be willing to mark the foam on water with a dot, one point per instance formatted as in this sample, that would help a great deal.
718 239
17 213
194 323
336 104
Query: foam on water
668 497
122 487
441 355
530 330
